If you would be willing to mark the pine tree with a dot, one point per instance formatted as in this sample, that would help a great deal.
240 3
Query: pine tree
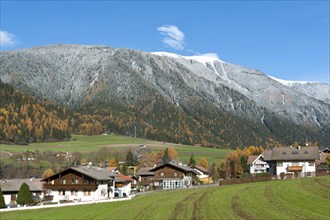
130 159
166 157
192 160
24 195
2 200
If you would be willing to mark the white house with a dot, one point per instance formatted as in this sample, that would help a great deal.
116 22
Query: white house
257 164
11 187
85 183
291 161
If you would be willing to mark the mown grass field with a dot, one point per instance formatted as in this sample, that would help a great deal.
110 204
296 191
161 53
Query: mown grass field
86 144
280 199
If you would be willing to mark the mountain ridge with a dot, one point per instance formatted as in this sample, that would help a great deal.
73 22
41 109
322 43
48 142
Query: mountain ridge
80 76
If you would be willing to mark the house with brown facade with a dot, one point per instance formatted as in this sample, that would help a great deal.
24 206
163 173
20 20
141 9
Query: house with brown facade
84 183
168 176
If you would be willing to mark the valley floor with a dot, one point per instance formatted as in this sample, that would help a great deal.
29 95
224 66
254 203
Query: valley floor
281 199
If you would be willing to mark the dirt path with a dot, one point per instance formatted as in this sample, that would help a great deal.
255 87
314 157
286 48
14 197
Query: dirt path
238 208
4 154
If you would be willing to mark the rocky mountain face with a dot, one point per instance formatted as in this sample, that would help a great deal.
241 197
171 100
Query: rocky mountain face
196 99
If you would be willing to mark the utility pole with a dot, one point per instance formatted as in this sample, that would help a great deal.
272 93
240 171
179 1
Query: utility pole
135 131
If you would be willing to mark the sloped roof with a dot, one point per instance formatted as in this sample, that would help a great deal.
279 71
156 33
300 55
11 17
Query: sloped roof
94 172
200 168
13 185
251 159
145 171
289 154
182 168
91 171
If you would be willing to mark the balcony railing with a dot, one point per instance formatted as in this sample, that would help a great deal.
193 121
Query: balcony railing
91 187
295 168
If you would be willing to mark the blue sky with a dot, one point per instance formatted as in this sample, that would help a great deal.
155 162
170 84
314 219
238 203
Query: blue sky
285 39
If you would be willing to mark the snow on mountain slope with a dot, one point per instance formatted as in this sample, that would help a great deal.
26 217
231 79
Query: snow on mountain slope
288 82
70 73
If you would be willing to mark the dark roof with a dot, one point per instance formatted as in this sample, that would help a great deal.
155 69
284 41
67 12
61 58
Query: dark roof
325 150
251 159
176 166
292 153
200 168
145 171
13 185
94 172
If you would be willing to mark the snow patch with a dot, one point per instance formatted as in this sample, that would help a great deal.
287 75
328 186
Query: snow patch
289 83
95 78
204 58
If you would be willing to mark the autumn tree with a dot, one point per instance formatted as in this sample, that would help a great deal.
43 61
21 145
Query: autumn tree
203 162
24 196
214 171
172 153
113 162
47 173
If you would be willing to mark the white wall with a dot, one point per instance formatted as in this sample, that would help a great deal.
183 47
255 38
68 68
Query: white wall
306 167
100 193
7 199
258 166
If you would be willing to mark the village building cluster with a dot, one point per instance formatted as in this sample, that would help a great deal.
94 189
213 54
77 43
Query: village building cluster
90 183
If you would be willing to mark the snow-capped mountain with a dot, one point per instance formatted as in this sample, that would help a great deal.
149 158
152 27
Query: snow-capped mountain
204 88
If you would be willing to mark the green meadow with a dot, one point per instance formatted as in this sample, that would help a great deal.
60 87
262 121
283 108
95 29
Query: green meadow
280 199
86 144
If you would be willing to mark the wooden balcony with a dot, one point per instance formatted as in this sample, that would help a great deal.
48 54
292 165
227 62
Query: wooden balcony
69 187
295 168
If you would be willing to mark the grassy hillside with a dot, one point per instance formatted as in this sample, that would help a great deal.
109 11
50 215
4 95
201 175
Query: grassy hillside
85 144
281 199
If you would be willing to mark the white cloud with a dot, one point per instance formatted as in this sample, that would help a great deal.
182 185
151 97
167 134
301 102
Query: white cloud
173 36
7 39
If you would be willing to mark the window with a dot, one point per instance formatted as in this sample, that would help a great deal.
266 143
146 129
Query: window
280 164
74 181
74 193
295 163
175 174
162 174
87 193
61 192
63 181
311 164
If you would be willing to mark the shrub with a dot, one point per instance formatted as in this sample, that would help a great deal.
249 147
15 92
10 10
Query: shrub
282 175
2 200
245 180
24 196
